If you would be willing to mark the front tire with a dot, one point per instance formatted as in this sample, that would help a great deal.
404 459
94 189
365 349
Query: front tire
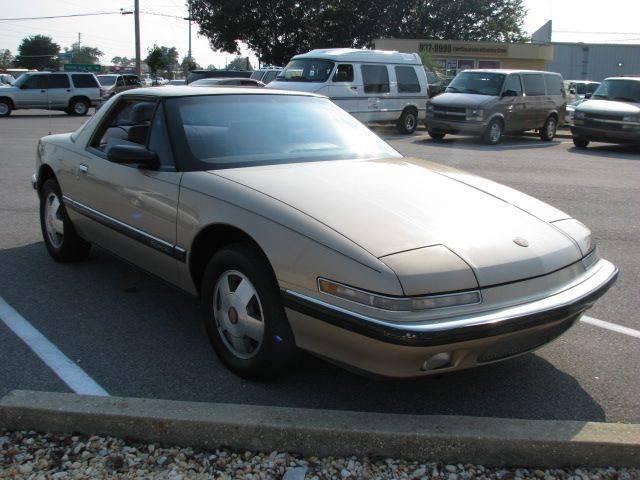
548 132
493 133
408 122
60 238
581 142
78 107
436 135
243 313
5 108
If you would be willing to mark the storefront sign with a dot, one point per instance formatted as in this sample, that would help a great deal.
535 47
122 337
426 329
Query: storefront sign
465 49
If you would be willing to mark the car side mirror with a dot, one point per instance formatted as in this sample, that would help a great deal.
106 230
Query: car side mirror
341 77
588 95
509 93
133 155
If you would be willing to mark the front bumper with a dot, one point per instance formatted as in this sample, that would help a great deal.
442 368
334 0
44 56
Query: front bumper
604 135
451 126
400 349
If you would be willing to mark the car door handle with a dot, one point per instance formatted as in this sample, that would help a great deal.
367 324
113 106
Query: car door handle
353 88
83 169
43 91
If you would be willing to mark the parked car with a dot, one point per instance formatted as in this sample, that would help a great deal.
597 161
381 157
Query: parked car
71 92
611 114
314 234
490 103
116 83
198 74
375 86
6 79
227 82
578 89
266 74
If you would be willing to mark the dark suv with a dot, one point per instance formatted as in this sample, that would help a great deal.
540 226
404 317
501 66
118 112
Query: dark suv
611 114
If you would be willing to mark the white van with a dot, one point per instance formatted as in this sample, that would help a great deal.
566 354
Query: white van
375 86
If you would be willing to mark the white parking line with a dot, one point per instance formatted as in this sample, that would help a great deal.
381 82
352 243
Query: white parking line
70 373
611 326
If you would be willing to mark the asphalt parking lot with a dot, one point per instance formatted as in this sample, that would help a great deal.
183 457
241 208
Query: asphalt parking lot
136 336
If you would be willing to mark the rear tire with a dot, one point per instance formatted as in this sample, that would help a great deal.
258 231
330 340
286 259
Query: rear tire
581 142
548 132
78 107
5 108
60 238
435 134
493 133
240 301
408 122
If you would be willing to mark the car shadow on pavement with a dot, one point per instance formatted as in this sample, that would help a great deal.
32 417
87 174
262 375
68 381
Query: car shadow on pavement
136 336
620 152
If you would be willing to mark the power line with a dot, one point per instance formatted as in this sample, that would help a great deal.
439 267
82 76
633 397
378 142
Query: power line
60 16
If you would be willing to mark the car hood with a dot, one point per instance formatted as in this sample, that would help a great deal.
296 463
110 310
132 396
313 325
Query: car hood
608 106
400 204
450 99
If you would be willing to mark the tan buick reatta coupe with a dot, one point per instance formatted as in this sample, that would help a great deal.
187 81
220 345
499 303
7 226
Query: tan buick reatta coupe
297 227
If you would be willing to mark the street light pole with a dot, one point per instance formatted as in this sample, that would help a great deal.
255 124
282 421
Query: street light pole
189 20
136 15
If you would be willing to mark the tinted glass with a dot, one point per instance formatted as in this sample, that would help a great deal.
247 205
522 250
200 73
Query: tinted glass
131 80
375 78
513 83
306 70
533 84
58 81
257 74
128 122
592 87
270 76
619 90
84 81
211 132
107 80
554 85
480 83
344 73
407 79
33 82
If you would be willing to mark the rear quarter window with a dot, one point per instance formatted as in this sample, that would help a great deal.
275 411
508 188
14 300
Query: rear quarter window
84 81
534 84
407 80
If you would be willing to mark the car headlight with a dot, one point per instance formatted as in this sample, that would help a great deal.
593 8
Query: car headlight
578 115
399 304
475 114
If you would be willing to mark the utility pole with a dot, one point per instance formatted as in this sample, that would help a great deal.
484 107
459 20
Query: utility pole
189 20
79 35
136 20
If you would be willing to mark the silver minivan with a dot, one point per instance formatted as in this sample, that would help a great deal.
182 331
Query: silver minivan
71 92
489 103
375 86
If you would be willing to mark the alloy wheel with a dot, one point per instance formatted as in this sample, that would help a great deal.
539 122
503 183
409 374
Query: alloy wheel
53 220
4 108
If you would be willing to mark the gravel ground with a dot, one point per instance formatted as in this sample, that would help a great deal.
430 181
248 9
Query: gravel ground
30 455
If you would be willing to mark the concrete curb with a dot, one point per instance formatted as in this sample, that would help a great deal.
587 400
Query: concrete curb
487 441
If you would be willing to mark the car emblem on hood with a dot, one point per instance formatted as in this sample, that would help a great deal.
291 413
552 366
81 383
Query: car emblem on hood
520 241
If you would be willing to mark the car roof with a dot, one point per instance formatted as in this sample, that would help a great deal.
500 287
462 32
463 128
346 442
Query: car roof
508 71
356 55
581 81
637 79
224 79
187 91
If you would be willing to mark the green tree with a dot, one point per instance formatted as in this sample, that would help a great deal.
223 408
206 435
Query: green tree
286 27
427 61
38 52
188 64
239 63
84 54
161 59
123 61
5 58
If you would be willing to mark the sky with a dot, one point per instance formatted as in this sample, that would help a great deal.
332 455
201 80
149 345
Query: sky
573 21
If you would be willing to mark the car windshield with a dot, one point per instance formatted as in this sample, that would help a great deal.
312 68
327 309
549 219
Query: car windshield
214 132
107 80
620 90
306 70
481 83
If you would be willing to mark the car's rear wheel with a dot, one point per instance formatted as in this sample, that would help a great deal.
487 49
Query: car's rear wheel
436 135
243 313
581 142
548 132
408 121
60 238
78 107
5 108
493 133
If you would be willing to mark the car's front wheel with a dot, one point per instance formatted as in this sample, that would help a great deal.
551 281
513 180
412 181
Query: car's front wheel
60 238
5 108
581 142
493 133
436 135
243 313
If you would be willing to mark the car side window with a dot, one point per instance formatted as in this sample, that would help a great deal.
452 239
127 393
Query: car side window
375 78
131 81
84 80
554 85
269 76
59 80
35 82
119 82
407 80
344 73
129 121
534 84
513 84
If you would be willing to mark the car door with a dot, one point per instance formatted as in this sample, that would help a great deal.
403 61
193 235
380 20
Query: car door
534 103
33 92
129 210
344 90
58 90
376 86
513 103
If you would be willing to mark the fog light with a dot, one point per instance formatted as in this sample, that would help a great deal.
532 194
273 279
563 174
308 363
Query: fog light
437 361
